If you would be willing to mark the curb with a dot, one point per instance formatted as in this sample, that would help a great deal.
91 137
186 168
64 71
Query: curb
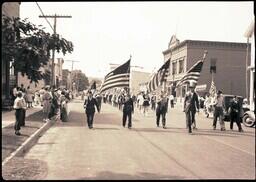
29 142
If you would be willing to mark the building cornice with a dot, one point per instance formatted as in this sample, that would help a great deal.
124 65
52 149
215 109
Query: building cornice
205 43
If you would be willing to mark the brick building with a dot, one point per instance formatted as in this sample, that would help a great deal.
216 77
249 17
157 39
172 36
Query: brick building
228 58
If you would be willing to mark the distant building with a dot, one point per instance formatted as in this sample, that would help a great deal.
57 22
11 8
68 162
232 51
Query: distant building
249 34
227 57
58 71
137 78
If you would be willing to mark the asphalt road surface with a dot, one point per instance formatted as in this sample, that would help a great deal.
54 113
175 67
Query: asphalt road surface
109 151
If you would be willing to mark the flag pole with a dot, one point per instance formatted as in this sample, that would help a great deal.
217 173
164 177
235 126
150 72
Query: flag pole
129 75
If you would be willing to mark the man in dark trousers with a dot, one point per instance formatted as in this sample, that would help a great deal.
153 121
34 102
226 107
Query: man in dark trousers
128 109
161 110
191 105
235 109
89 106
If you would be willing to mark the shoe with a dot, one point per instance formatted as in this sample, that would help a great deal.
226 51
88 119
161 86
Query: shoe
17 133
194 128
214 128
222 129
164 127
207 116
241 130
190 132
157 125
129 127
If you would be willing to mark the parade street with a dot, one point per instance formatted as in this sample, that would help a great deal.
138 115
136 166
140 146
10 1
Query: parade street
108 151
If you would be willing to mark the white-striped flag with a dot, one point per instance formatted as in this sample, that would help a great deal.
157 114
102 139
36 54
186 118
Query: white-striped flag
213 90
192 74
159 77
119 77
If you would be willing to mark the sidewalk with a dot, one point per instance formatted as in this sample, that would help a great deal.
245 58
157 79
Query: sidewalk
10 141
13 145
8 117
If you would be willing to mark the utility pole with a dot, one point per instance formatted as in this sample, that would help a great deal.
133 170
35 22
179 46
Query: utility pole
54 33
72 71
72 63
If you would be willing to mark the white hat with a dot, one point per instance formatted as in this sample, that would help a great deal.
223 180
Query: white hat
192 85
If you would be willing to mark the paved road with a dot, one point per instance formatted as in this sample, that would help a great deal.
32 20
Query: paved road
109 151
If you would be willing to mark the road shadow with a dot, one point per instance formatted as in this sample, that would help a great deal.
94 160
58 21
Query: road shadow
228 132
100 128
77 119
109 175
37 116
182 130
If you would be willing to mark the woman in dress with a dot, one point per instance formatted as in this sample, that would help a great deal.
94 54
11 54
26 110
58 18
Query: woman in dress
47 97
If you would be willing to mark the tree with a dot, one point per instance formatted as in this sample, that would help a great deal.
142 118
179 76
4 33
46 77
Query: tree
81 80
28 46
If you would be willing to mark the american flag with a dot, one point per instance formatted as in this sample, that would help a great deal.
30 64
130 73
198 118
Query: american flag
159 77
213 89
119 77
192 74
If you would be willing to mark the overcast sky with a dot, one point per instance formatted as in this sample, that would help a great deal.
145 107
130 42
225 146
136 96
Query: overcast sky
109 32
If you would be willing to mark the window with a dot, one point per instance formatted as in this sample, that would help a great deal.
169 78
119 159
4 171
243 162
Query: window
181 66
174 68
213 62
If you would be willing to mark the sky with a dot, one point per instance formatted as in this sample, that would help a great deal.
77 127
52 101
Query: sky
109 32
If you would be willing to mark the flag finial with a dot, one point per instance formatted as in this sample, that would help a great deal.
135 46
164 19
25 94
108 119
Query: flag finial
205 53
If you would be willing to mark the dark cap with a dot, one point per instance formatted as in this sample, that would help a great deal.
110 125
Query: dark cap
219 92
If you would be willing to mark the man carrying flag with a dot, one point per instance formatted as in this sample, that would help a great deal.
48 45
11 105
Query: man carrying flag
162 103
191 102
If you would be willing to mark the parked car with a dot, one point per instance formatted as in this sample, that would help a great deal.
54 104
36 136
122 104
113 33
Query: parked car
249 118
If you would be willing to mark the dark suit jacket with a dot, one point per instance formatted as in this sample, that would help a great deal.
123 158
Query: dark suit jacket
90 105
128 106
162 106
191 102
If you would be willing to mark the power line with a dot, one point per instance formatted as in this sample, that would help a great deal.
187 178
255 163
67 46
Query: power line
44 16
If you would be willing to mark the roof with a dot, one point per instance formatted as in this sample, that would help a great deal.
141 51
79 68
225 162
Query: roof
185 42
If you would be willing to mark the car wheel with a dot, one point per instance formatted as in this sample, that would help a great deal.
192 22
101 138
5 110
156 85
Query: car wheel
248 121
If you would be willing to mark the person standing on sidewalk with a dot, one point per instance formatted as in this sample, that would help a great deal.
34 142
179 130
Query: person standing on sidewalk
171 99
145 104
29 97
89 106
46 104
161 110
153 102
218 111
54 104
191 105
128 109
63 107
19 106
235 110
14 93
